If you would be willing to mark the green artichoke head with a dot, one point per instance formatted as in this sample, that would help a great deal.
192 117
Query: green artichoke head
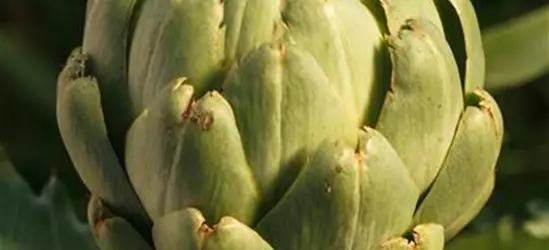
281 124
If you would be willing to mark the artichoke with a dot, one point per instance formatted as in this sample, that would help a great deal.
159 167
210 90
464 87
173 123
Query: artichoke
281 124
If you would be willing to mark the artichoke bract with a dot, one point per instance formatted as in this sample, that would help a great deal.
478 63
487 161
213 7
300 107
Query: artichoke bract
281 124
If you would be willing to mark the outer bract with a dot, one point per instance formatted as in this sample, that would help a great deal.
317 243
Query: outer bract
282 124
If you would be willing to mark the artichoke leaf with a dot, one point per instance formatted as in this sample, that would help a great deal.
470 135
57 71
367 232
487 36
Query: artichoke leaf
467 168
83 131
313 28
186 229
424 102
106 36
388 195
365 55
425 237
179 230
116 233
254 91
230 234
268 93
189 43
463 34
112 232
397 12
152 142
311 112
472 210
320 209
210 171
147 24
248 24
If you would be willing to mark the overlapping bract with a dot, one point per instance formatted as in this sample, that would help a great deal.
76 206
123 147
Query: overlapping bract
297 124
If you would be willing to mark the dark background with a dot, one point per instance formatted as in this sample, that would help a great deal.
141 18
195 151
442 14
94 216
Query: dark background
37 35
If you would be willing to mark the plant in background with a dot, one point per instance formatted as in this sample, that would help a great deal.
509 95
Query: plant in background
33 222
296 124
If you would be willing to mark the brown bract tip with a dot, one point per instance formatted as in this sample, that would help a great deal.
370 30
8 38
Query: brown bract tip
100 214
187 113
282 50
204 119
327 187
204 230
76 65
359 156
412 25
338 168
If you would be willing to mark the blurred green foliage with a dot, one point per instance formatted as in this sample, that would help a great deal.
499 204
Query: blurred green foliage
45 221
514 54
502 237
36 36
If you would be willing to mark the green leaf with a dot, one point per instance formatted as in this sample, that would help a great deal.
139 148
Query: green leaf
32 74
502 237
517 51
38 222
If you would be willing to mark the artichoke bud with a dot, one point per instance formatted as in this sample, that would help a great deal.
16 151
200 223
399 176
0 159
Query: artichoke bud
305 124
